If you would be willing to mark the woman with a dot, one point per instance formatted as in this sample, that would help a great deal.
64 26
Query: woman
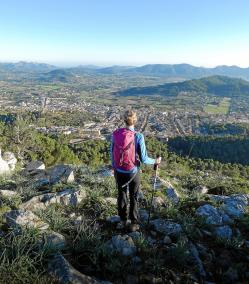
127 152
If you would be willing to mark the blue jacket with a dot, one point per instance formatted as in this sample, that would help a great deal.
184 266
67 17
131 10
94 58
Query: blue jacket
139 144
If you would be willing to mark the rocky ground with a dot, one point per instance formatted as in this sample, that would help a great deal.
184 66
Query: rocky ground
59 225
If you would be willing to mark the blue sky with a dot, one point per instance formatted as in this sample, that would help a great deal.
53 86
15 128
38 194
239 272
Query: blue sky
127 32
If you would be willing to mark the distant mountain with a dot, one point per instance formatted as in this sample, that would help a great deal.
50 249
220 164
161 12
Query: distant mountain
184 71
174 72
26 67
115 70
217 85
57 75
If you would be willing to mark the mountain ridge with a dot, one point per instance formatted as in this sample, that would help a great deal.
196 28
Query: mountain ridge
181 71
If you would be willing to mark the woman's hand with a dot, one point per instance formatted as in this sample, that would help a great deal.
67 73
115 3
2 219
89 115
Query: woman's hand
158 160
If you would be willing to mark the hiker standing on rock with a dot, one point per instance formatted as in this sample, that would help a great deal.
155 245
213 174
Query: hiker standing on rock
127 152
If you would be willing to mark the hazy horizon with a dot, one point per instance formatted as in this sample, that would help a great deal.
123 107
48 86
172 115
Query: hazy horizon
61 65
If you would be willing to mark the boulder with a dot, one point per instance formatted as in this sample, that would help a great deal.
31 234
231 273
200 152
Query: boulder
34 203
135 235
68 197
65 273
143 215
4 167
210 213
166 227
167 240
172 195
195 258
7 193
113 219
122 244
223 232
201 189
61 173
35 165
158 202
54 240
11 160
110 200
22 218
65 197
235 207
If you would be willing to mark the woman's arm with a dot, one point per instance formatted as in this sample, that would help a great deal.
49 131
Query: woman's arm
142 152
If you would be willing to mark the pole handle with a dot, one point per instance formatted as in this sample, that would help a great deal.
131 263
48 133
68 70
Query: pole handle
156 165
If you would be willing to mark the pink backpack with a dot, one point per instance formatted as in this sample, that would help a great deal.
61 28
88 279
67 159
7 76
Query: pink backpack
124 153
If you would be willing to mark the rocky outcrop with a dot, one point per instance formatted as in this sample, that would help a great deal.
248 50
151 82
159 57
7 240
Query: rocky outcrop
158 202
113 219
65 197
230 208
42 176
54 240
65 273
211 214
8 193
4 166
201 189
223 232
61 173
172 195
166 227
11 160
22 218
34 166
122 244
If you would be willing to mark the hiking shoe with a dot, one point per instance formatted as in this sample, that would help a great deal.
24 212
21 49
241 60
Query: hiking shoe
133 227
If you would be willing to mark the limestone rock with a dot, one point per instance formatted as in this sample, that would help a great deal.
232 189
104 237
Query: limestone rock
172 195
113 219
62 270
65 197
61 173
167 240
135 235
158 201
122 244
201 189
110 200
7 193
224 232
35 165
143 215
54 240
196 260
11 160
4 167
210 213
34 203
166 227
68 197
235 207
21 218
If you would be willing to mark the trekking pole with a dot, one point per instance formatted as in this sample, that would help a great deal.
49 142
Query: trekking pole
156 167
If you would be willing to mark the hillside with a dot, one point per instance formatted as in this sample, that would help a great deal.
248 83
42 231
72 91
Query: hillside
57 75
29 67
58 224
216 85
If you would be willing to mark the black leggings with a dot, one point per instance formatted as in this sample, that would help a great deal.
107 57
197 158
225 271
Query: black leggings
121 179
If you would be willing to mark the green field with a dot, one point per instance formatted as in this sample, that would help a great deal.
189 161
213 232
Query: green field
221 108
